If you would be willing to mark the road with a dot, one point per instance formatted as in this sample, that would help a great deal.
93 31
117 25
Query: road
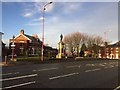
78 74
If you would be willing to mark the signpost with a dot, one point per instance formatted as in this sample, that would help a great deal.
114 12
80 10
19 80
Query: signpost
13 47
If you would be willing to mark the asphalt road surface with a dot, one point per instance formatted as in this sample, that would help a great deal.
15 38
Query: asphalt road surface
78 74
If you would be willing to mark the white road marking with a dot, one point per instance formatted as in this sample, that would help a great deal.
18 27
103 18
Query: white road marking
45 69
93 70
88 70
16 72
106 67
9 73
111 66
34 70
118 87
96 69
73 66
6 79
28 83
101 65
105 63
90 64
61 76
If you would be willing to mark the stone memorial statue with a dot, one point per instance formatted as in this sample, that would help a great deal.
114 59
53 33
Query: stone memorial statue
61 50
61 37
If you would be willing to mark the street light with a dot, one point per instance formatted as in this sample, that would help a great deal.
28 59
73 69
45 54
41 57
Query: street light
42 58
105 42
12 47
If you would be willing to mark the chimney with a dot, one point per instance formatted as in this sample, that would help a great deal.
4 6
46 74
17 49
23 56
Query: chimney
35 36
22 31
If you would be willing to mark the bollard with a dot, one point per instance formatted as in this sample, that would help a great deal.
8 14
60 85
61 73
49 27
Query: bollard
5 60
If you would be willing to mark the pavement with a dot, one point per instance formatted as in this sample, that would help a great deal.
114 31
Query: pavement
18 63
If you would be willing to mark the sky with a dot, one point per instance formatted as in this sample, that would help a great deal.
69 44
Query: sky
93 18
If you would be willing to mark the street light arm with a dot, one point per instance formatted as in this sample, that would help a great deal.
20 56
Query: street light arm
46 5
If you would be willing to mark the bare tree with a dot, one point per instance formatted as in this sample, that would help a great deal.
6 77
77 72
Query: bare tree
68 43
90 42
99 40
93 43
75 40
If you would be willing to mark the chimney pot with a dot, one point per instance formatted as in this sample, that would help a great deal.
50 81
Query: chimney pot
22 31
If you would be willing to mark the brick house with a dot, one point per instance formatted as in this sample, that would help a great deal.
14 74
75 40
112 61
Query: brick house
112 51
26 44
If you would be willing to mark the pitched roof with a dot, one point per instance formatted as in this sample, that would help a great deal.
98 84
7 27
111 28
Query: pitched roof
117 44
32 38
3 43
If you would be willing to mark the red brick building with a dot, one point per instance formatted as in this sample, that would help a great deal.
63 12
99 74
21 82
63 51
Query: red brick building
25 44
112 51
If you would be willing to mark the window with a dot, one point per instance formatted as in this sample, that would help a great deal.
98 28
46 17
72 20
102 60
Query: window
21 51
21 44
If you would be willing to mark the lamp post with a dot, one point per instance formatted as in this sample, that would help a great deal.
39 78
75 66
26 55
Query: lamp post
105 42
12 47
105 45
42 58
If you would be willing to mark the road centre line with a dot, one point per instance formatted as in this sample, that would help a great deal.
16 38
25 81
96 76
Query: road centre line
28 83
93 70
117 88
45 69
61 76
73 66
6 79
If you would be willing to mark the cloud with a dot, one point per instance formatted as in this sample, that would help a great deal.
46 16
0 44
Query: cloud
32 24
71 7
35 8
35 22
28 14
38 19
28 9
